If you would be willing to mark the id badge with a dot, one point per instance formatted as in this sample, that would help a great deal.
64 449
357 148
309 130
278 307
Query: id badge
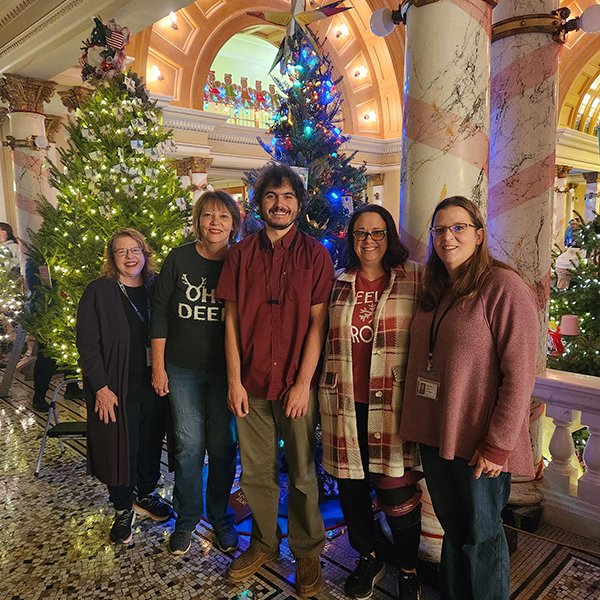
148 356
428 384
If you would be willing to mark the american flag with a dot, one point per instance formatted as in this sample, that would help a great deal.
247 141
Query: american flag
115 40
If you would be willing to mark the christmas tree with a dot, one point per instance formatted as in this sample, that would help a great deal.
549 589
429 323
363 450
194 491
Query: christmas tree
114 173
307 134
576 291
12 299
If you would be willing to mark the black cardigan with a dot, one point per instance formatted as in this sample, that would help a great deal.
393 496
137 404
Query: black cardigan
103 344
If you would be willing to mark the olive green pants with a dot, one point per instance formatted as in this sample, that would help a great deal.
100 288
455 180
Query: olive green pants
258 434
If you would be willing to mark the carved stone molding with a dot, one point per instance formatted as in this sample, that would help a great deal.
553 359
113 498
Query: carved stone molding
591 176
193 164
25 93
376 178
74 97
562 171
183 166
200 164
572 185
3 114
53 123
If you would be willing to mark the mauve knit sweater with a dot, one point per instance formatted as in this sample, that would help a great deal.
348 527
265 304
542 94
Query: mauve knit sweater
485 353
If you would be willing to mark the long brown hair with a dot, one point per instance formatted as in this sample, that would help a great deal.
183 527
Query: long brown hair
472 274
109 268
219 198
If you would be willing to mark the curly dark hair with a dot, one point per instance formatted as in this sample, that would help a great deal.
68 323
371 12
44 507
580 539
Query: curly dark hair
396 253
275 175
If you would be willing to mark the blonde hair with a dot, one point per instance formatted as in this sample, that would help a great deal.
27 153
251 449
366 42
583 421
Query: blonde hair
109 268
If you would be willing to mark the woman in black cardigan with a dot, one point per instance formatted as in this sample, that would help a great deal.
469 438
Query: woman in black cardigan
126 419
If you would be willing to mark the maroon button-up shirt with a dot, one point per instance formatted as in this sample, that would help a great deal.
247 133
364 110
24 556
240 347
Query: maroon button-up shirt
274 288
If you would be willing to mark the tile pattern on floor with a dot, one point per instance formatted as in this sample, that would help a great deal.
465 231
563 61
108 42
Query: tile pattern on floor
54 539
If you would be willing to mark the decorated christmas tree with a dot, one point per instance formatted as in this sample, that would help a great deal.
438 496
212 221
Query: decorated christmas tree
12 299
576 291
307 134
114 173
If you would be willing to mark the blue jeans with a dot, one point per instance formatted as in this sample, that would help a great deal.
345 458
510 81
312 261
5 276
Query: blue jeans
202 422
475 563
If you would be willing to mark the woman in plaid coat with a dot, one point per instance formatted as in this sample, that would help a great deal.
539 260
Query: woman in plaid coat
360 395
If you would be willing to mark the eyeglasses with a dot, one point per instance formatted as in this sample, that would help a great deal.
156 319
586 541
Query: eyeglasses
125 251
376 236
456 229
271 196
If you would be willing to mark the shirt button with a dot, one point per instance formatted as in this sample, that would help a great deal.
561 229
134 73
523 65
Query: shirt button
377 436
379 394
275 363
380 351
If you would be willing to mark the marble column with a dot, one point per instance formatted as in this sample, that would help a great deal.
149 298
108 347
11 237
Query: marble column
26 97
53 124
591 195
6 203
522 163
198 174
559 212
446 111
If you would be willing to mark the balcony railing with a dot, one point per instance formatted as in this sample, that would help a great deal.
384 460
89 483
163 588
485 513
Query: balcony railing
570 501
249 106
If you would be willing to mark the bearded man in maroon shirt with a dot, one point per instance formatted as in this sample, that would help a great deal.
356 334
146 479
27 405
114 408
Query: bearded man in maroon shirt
276 285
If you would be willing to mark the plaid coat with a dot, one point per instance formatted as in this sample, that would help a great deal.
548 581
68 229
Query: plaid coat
391 323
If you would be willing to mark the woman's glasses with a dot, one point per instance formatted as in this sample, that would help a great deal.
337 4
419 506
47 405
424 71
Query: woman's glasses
376 236
126 251
456 229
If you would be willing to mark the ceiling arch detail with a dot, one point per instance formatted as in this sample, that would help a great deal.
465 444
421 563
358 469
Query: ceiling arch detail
372 68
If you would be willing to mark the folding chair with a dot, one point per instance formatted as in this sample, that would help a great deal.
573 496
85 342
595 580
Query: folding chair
70 430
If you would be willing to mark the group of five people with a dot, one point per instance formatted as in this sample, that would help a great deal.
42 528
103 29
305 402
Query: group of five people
238 329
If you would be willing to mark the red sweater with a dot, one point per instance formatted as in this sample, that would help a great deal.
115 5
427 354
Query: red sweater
485 353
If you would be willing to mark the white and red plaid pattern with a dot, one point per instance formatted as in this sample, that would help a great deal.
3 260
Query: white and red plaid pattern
388 455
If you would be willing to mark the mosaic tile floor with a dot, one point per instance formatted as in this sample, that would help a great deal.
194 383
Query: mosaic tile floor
54 538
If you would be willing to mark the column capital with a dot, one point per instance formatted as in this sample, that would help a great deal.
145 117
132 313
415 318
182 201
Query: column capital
183 166
52 123
376 178
200 164
25 94
562 171
591 176
572 185
74 97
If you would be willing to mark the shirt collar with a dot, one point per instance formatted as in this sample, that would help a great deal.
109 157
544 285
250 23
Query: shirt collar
286 241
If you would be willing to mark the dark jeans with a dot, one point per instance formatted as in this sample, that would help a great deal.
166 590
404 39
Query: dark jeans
355 500
475 563
146 425
201 422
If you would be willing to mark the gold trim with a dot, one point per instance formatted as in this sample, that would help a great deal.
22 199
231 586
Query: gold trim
528 24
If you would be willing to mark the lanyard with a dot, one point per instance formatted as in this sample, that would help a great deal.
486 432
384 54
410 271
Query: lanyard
433 331
135 308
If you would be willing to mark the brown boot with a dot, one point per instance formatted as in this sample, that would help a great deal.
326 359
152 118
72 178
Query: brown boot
309 579
247 563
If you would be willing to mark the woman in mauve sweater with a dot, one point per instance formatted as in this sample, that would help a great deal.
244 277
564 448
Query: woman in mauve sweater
470 375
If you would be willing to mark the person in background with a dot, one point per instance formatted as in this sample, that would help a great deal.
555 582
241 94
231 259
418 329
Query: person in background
469 379
372 305
188 363
276 284
10 247
569 238
125 417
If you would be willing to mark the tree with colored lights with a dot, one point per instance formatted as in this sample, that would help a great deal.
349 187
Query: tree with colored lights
114 174
580 296
307 134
